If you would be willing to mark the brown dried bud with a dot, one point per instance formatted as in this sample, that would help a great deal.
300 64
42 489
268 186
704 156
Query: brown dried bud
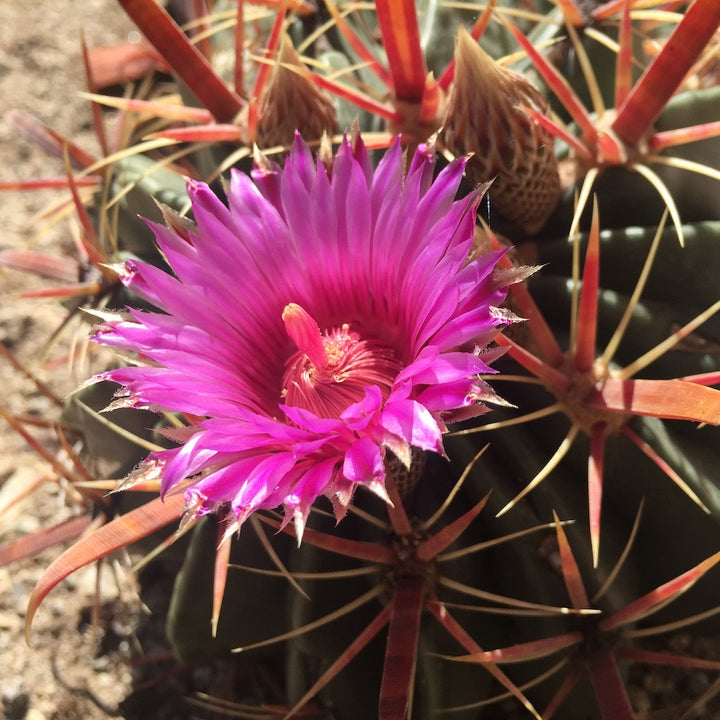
483 117
290 101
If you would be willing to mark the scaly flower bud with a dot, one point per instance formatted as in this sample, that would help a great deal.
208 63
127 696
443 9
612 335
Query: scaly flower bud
484 117
290 102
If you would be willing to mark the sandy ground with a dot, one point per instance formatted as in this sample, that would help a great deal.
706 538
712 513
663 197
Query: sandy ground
64 674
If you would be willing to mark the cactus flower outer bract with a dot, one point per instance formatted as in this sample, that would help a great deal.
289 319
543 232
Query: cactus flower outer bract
330 315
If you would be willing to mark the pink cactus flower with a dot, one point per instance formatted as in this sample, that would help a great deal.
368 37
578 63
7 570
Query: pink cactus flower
330 315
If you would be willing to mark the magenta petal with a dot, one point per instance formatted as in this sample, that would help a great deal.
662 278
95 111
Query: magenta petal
307 420
262 482
299 166
313 483
450 367
422 166
363 462
413 422
387 181
361 414
267 180
441 398
220 487
186 461
362 157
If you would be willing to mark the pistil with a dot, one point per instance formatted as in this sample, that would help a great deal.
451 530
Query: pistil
305 333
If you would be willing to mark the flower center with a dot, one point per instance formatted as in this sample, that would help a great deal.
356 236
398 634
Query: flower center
331 369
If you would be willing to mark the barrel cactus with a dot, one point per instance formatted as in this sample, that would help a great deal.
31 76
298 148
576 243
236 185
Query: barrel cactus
462 258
